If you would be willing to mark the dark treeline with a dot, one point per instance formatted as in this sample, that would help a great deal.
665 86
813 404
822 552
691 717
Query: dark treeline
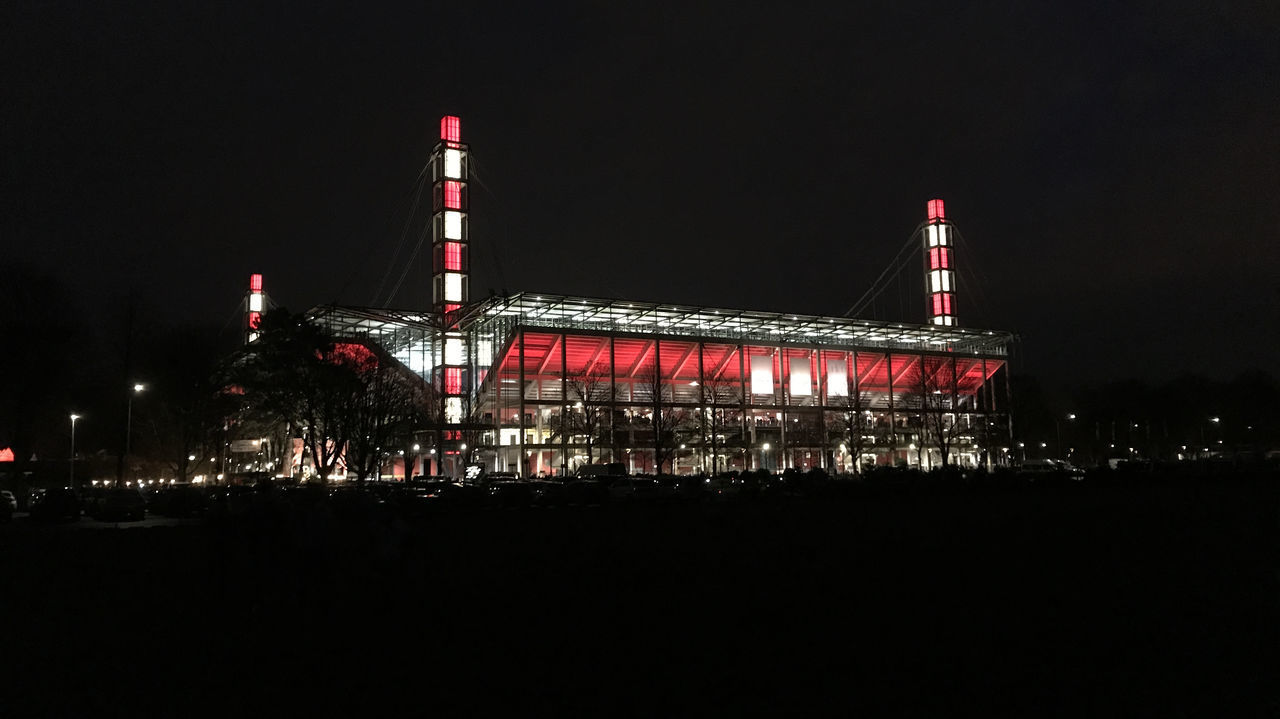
1191 415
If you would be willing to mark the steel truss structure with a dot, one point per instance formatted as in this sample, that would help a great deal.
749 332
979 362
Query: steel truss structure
554 382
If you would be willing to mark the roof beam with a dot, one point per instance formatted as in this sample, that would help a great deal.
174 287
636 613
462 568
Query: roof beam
555 344
644 354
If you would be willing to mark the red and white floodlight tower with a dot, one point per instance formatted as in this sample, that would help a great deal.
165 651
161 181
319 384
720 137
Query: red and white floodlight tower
449 242
255 305
939 267
451 269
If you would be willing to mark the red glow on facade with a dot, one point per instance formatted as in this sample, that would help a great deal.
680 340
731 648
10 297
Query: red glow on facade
452 380
6 455
255 320
450 129
453 256
453 194
936 210
255 283
451 307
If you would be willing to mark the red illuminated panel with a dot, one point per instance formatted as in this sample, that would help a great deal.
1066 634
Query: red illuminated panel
946 303
452 380
255 283
450 129
936 210
255 320
939 258
453 194
453 256
451 308
937 305
6 455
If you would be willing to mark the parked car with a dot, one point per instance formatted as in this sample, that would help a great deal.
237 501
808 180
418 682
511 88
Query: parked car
724 487
586 492
178 500
120 504
634 490
547 493
509 494
56 504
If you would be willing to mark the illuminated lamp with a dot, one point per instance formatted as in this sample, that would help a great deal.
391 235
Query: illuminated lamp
453 194
450 129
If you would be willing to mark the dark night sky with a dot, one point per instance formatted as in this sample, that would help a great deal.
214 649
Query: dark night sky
1114 167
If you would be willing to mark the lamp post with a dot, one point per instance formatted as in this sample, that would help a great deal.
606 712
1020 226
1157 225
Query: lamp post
764 464
72 482
128 433
1057 428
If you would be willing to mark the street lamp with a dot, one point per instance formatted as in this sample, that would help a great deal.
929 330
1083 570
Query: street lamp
128 432
763 449
74 417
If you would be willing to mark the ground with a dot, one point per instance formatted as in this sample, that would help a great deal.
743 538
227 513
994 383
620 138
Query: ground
1153 599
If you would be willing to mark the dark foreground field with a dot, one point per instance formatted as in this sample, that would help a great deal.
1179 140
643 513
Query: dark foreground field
1157 600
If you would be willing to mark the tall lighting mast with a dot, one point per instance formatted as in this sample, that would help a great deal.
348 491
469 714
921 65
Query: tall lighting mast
939 267
451 268
255 305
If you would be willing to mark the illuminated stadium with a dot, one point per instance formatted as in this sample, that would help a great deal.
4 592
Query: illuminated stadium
542 384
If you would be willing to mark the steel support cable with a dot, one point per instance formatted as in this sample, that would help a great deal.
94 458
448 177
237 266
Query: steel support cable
973 271
895 266
493 246
416 194
364 260
422 236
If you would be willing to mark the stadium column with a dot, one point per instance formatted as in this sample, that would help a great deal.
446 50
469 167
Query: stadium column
939 267
450 278
255 305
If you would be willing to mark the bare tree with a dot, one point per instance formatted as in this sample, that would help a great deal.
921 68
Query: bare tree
297 374
936 391
390 402
590 391
719 398
850 423
666 422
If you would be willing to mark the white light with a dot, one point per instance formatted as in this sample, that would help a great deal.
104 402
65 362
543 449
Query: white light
765 446
452 225
761 375
453 410
415 448
837 378
139 387
453 164
452 287
255 302
191 458
453 351
801 381
484 353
